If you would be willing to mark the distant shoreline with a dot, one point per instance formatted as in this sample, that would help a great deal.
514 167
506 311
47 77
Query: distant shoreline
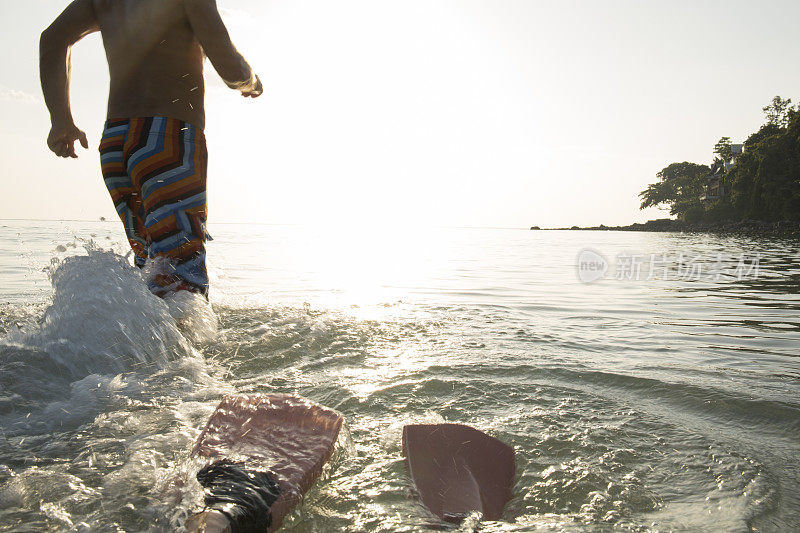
785 228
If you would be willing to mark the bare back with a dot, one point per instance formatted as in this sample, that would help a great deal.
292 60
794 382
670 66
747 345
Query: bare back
155 61
155 51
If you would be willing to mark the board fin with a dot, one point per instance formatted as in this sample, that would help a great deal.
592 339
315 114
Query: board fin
458 470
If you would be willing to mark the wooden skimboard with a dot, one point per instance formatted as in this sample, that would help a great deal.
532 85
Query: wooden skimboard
458 469
288 436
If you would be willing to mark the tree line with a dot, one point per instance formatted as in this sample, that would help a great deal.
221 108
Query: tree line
763 183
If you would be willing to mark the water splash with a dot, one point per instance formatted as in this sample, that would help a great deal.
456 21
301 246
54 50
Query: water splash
193 315
102 331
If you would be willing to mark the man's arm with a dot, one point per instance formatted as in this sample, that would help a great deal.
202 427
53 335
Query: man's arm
210 31
77 21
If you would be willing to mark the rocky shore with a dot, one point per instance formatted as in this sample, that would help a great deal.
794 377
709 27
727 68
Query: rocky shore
745 227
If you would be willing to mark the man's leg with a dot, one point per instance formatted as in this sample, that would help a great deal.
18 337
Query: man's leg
167 161
126 199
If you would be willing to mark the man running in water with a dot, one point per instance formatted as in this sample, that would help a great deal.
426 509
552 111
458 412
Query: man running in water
153 150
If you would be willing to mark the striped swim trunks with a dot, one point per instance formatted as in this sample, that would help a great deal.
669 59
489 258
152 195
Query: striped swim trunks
155 170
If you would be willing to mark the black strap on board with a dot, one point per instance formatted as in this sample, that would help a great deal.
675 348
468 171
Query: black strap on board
244 495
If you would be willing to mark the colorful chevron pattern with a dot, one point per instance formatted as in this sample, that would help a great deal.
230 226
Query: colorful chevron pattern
155 170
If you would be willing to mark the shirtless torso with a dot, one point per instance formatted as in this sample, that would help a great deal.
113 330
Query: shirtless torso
155 51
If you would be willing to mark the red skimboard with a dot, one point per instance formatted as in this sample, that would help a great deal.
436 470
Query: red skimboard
458 469
288 436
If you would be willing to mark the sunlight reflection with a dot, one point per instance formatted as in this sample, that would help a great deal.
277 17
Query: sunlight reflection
388 368
362 271
360 264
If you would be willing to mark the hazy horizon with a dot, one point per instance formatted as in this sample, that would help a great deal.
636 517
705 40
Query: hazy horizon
455 113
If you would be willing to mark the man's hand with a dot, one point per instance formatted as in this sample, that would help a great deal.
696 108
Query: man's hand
62 140
210 31
77 21
256 91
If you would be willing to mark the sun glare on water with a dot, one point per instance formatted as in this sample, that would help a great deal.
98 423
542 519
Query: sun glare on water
360 270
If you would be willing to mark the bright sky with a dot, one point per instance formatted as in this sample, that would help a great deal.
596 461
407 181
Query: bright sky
501 113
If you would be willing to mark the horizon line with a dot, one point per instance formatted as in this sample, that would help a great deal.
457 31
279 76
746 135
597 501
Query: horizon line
251 223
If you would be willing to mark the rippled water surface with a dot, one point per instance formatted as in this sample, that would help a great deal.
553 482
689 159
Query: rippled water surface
661 397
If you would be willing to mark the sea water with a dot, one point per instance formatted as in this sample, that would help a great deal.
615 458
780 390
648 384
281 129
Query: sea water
647 381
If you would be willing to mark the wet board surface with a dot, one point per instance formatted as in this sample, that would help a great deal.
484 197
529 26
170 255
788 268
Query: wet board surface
288 436
458 469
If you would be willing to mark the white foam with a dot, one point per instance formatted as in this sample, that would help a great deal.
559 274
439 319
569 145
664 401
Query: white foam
103 317
85 399
193 315
101 338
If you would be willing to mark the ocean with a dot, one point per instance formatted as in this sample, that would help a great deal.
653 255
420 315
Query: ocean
647 381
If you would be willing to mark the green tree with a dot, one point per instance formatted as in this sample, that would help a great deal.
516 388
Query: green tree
765 183
679 187
724 149
777 112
